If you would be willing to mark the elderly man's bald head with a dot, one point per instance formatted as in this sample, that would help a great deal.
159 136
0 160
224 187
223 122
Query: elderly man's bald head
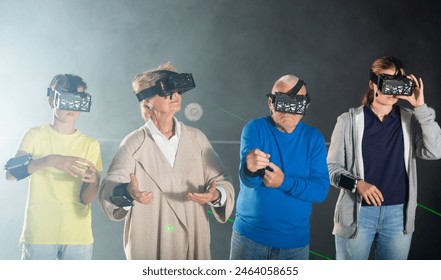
284 84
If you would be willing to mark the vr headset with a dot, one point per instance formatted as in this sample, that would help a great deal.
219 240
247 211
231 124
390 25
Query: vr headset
71 101
393 84
290 102
166 86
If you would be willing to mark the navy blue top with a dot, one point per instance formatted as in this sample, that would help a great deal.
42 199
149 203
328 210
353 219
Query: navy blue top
383 155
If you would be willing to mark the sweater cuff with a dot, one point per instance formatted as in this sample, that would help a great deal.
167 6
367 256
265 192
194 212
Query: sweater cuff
287 184
247 176
258 173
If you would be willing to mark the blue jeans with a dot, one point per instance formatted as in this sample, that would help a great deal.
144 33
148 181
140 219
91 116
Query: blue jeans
243 248
55 251
382 226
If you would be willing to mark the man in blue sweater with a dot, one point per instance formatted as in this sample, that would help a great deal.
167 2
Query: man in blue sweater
283 170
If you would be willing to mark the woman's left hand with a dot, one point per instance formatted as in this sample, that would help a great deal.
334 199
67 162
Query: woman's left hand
417 97
211 194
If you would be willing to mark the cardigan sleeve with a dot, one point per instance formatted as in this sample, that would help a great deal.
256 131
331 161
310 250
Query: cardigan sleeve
119 171
341 147
215 170
427 133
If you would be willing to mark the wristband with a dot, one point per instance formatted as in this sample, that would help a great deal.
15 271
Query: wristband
217 202
348 182
18 166
121 197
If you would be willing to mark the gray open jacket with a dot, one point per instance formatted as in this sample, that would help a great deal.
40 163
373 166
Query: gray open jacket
422 138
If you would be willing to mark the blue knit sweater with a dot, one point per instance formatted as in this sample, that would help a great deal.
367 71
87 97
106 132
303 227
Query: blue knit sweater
279 217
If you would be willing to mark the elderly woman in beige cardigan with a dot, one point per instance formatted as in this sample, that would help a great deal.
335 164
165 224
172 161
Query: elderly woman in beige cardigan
164 176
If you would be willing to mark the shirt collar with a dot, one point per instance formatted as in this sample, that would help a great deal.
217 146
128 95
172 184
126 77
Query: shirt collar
151 127
393 114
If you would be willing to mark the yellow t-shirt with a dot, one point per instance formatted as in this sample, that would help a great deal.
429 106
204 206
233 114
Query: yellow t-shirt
54 213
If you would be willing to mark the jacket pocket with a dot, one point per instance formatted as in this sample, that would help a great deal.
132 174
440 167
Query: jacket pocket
345 210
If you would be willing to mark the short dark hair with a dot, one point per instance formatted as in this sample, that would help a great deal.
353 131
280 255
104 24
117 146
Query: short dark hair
68 82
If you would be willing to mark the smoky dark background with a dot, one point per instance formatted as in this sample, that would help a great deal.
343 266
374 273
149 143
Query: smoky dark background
235 51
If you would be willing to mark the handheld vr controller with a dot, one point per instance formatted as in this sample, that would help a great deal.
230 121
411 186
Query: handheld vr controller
18 166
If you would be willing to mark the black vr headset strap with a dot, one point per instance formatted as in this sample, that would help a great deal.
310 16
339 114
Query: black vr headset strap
374 78
398 65
296 88
165 72
272 96
152 91
293 92
147 93
50 92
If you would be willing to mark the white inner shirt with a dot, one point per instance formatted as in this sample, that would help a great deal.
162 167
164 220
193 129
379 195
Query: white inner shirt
169 147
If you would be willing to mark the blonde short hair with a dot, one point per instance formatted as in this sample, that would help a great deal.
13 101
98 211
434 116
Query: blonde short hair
148 78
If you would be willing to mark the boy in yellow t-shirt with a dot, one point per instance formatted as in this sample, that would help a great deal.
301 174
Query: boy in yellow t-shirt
64 166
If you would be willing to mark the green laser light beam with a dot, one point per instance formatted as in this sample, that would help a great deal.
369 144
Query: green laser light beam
169 228
429 209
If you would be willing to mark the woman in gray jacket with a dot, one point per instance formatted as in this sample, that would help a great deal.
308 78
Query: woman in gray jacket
372 160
